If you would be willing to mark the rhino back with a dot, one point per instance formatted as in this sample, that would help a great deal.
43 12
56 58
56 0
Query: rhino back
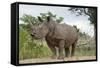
66 32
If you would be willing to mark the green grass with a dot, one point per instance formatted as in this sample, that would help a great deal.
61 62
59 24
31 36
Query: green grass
31 49
85 51
34 52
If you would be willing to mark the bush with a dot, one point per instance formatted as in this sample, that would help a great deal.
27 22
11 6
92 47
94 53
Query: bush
85 51
31 49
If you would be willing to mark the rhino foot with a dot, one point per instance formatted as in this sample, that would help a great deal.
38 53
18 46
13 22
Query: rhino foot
54 57
61 57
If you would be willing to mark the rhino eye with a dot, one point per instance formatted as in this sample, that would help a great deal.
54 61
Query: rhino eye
34 33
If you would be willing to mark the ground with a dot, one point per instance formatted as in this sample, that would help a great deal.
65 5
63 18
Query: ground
41 60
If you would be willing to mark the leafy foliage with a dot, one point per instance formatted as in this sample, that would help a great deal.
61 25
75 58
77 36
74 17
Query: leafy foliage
90 12
29 48
28 19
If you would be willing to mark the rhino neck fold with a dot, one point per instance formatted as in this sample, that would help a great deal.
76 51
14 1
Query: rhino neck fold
52 27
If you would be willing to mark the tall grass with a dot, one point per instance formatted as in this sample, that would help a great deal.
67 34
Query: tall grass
31 49
85 51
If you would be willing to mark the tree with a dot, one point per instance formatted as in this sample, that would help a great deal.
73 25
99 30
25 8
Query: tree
90 12
44 15
31 20
53 16
60 19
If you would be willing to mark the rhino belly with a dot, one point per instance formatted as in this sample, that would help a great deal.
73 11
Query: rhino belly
53 41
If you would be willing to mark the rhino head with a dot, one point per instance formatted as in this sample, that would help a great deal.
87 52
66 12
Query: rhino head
40 31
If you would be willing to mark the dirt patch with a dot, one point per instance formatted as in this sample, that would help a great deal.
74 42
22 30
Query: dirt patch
43 60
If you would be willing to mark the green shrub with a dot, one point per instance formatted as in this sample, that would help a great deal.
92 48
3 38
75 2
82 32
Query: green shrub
31 49
85 51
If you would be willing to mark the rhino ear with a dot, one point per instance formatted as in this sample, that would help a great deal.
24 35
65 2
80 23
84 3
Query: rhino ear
39 18
48 19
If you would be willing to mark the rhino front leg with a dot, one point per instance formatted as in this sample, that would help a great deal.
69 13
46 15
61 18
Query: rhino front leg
53 49
61 49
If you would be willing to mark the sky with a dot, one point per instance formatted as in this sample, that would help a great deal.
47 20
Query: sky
70 18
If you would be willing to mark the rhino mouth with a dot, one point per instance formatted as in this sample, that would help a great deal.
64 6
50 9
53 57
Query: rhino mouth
35 37
32 35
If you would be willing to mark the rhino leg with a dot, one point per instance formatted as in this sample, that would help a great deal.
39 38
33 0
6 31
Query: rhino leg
61 49
73 49
67 51
53 49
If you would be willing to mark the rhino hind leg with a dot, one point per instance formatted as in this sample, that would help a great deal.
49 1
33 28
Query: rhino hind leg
61 53
61 49
67 51
73 49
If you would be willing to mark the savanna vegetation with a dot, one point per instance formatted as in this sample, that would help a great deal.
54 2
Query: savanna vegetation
31 48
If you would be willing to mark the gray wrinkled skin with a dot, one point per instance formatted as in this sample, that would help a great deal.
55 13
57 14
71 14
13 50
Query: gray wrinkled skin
62 36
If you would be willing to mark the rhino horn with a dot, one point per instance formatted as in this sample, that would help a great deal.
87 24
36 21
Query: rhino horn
39 18
30 24
48 18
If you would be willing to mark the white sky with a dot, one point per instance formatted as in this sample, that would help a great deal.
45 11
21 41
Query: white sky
69 18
